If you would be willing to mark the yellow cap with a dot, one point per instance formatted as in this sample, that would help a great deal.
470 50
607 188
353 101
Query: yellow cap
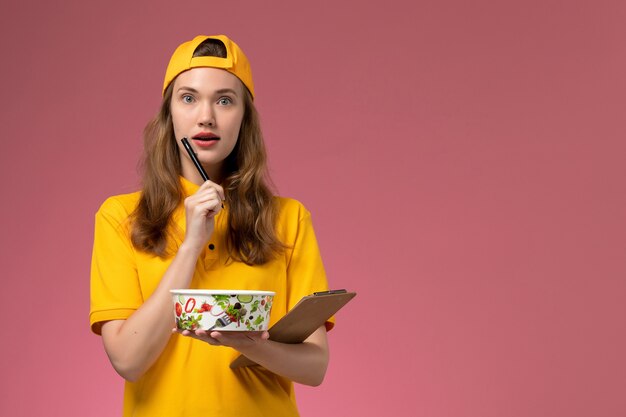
235 62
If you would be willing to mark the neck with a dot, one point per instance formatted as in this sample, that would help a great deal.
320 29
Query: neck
190 173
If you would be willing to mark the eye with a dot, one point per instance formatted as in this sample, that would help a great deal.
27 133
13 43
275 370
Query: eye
187 98
224 101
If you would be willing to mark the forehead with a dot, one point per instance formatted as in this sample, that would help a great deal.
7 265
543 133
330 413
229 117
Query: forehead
208 80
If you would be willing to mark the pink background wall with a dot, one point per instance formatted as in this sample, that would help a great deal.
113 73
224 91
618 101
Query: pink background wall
465 155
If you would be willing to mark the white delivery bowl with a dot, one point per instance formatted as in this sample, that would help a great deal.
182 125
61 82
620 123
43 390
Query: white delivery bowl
222 310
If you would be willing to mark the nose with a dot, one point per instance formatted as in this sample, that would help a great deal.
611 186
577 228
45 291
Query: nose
207 115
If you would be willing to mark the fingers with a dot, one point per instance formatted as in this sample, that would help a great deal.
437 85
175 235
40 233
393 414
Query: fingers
211 185
198 335
230 339
239 339
200 210
207 200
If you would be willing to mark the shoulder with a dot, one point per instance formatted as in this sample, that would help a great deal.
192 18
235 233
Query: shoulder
119 206
293 220
291 210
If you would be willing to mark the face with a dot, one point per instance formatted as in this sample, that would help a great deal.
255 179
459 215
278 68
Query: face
207 108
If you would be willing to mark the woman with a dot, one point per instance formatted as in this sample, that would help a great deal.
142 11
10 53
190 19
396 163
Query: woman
225 233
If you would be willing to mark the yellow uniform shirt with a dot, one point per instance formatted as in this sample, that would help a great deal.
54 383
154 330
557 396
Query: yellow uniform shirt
192 378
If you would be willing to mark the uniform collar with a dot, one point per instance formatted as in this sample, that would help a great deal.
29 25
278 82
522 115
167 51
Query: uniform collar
188 187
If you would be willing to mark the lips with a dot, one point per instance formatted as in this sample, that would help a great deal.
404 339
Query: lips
205 139
205 136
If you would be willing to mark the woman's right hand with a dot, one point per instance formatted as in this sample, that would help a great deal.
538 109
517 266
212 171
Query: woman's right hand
134 344
200 210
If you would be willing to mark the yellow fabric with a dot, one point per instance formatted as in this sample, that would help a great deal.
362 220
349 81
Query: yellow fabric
192 378
235 62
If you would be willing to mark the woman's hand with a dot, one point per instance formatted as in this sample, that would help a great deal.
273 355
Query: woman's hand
200 210
135 343
235 340
304 362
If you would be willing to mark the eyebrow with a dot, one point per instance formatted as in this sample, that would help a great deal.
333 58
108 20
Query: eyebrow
220 91
226 90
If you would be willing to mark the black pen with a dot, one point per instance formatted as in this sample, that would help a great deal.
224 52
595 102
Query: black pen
194 158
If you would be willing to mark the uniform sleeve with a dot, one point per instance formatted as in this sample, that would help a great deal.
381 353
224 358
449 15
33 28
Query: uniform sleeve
305 269
115 290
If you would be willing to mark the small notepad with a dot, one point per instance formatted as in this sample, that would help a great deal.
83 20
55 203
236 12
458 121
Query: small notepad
303 319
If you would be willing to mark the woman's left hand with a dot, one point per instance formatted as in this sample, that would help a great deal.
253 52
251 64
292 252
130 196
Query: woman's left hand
304 362
235 340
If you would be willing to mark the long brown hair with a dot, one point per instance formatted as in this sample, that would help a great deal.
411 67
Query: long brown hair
251 215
